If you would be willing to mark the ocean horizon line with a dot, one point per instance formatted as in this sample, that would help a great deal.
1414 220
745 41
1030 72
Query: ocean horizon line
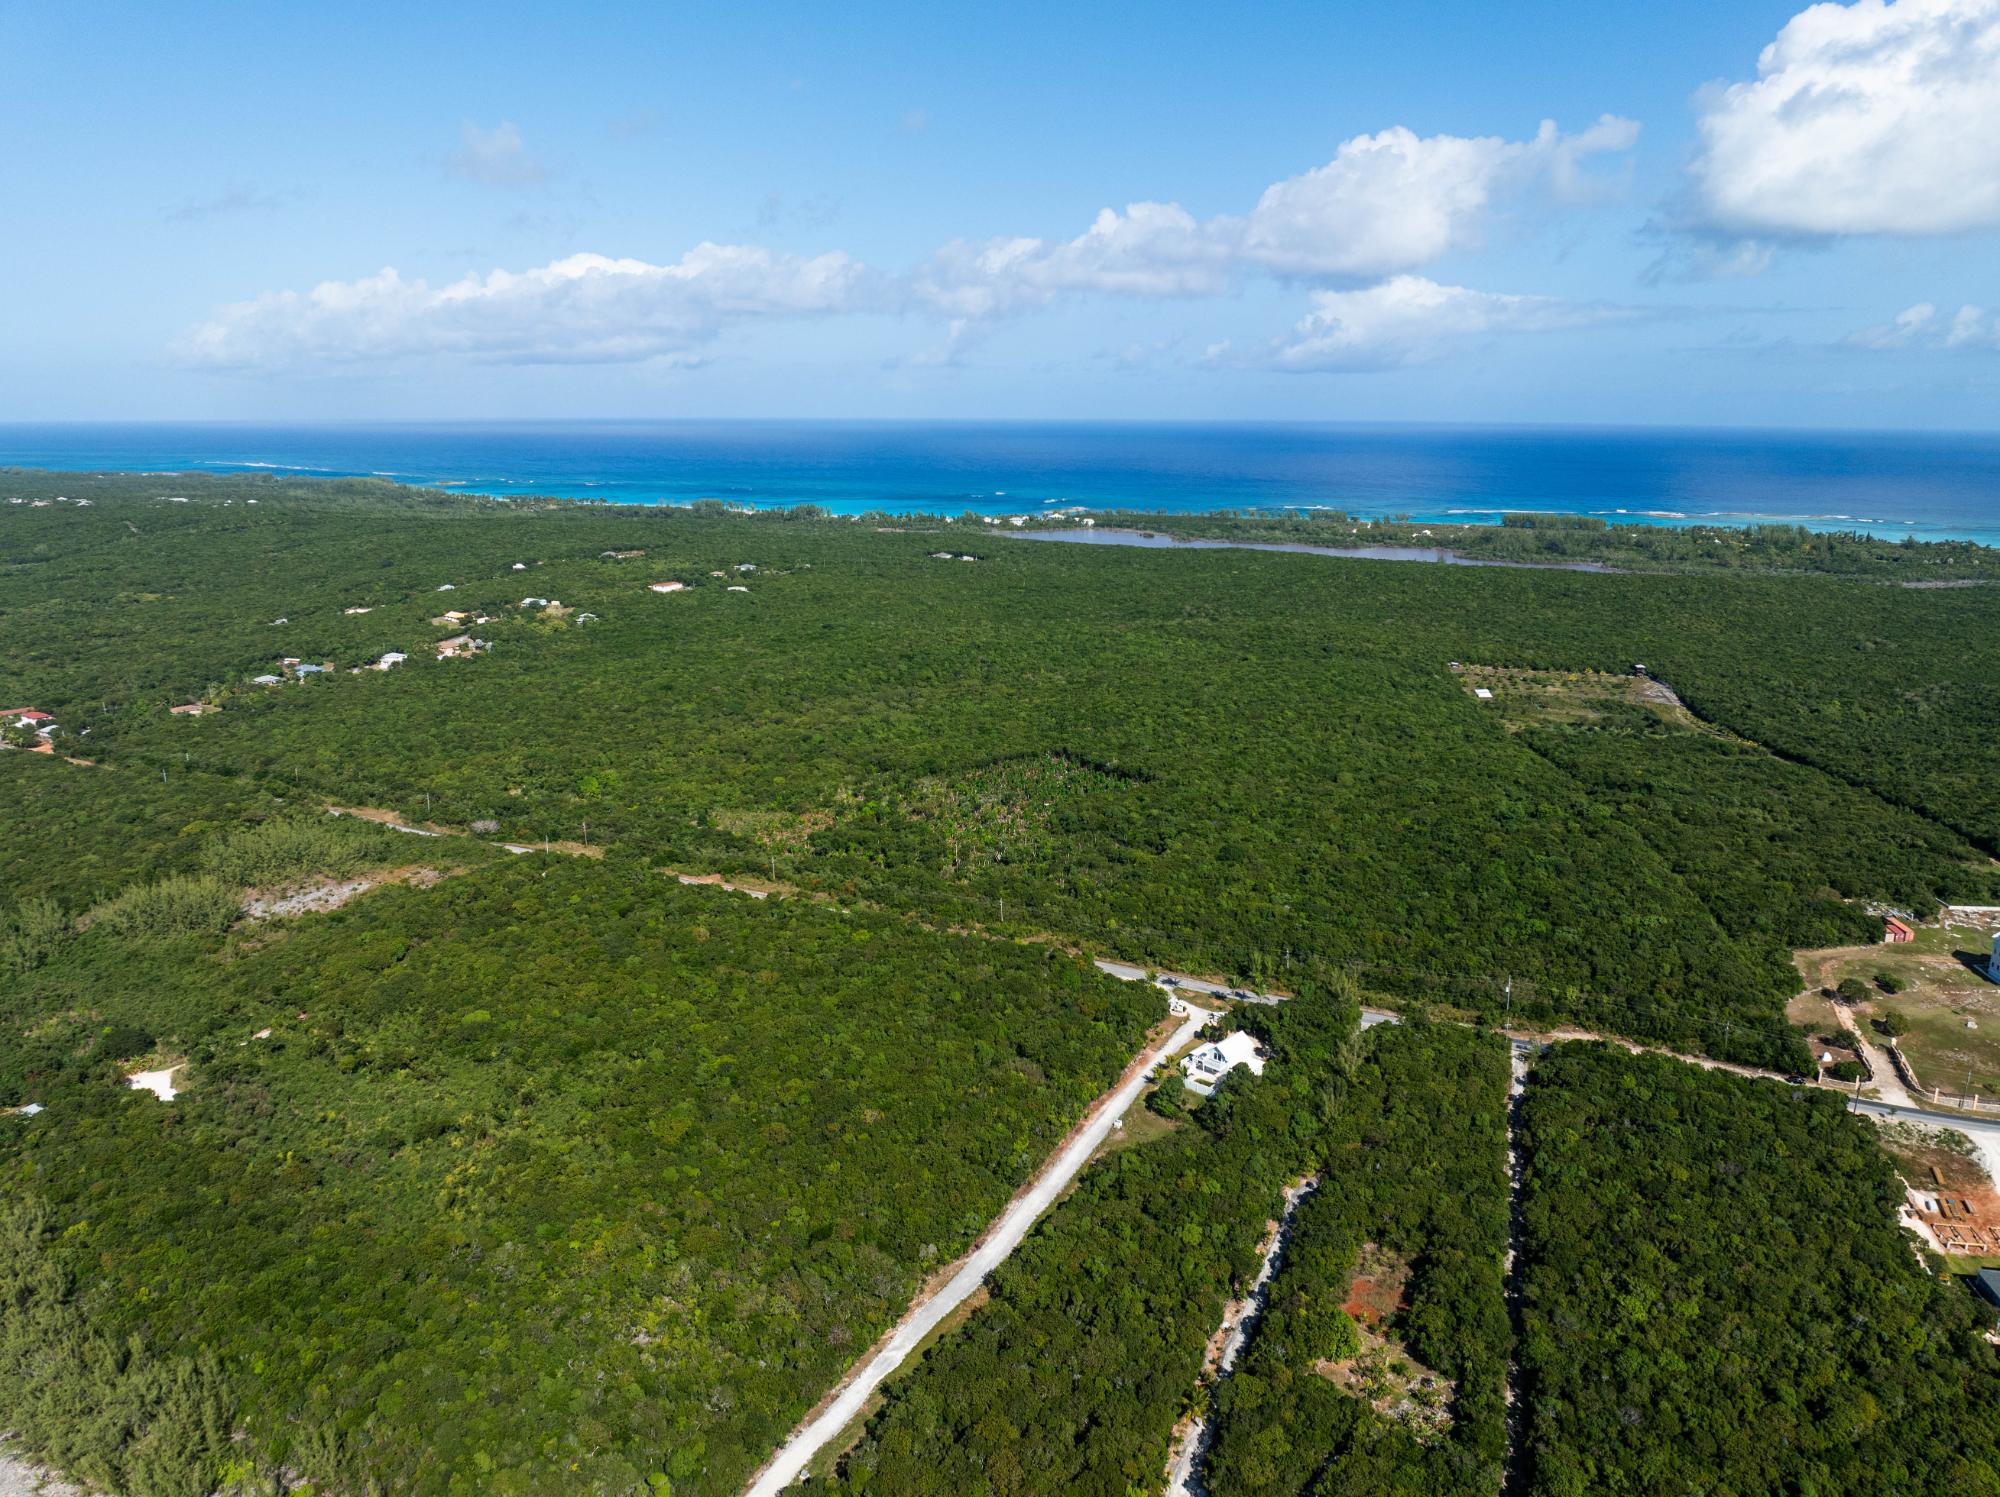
1930 485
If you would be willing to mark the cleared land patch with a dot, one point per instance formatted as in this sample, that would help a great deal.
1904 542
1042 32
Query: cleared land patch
1383 1371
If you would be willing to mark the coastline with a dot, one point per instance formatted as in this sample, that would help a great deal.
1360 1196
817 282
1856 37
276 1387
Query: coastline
1436 555
1933 487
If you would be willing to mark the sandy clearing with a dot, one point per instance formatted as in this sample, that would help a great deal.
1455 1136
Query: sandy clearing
159 1083
23 1478
330 894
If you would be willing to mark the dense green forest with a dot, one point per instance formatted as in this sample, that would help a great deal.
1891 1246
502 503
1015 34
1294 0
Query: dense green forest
1258 763
556 1174
1413 1180
1821 846
1070 1378
1719 1298
553 1175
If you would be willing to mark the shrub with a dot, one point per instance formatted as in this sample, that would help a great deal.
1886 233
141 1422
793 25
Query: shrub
121 1042
291 850
31 933
109 1408
190 904
1852 990
1169 1098
1846 1070
1893 1023
1889 982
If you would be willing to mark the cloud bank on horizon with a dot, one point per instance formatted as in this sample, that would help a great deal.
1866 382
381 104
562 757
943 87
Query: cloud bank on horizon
1839 138
1386 204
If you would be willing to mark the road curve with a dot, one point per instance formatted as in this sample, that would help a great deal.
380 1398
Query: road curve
1001 1239
1175 982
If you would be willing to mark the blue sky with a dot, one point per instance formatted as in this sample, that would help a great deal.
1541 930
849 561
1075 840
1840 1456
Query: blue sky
1342 212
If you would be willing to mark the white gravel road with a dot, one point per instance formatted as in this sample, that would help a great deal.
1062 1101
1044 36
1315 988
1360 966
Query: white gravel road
1002 1238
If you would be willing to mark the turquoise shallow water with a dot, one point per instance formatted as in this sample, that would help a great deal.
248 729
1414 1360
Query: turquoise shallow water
1933 486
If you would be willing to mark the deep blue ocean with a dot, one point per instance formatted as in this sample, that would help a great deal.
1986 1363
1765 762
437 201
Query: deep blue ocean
1932 486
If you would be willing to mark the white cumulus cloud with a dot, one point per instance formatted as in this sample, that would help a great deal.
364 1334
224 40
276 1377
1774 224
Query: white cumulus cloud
1921 326
585 308
1386 203
1151 249
1879 117
1396 200
1409 319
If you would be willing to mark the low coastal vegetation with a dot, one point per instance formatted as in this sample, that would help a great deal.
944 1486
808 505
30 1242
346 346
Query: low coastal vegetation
623 1174
1070 1379
557 1173
1719 1296
1248 763
1558 539
1378 1366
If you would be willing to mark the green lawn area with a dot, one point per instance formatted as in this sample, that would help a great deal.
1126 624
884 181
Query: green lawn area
1942 992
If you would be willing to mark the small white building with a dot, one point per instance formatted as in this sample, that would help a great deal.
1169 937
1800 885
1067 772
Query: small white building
665 587
393 658
1209 1064
1482 693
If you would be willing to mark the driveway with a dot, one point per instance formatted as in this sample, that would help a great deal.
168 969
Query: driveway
988 1254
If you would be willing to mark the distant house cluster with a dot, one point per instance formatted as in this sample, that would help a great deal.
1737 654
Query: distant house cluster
29 719
292 668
